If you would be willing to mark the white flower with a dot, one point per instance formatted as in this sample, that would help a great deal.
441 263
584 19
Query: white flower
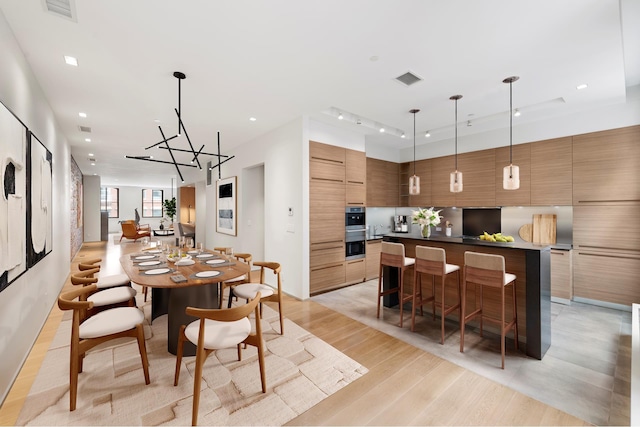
426 217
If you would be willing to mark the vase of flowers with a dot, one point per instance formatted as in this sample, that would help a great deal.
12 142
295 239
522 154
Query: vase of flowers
426 218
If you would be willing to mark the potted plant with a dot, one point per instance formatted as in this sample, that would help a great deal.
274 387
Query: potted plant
169 206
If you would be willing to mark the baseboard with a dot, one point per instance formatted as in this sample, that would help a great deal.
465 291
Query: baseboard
604 304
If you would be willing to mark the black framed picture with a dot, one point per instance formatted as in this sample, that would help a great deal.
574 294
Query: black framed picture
39 201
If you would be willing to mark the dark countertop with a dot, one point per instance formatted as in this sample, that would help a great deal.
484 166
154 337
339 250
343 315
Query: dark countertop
477 242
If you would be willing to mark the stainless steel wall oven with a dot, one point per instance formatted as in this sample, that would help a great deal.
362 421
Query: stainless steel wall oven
355 232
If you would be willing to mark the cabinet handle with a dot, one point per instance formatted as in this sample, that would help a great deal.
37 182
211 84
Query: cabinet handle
356 261
355 203
326 179
326 267
355 182
609 256
327 160
327 249
606 248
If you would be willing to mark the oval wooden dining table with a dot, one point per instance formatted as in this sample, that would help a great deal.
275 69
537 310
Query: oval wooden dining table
172 298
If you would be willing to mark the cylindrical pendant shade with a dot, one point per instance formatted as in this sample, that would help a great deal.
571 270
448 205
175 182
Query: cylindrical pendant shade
511 177
455 182
414 185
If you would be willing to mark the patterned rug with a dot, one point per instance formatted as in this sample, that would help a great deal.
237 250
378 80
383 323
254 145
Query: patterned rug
301 371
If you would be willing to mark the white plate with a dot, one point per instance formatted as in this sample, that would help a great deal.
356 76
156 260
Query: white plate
192 252
147 263
154 251
208 274
185 262
145 257
215 261
204 256
158 271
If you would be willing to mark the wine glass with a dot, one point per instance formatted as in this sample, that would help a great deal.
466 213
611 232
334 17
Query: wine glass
229 252
190 243
200 247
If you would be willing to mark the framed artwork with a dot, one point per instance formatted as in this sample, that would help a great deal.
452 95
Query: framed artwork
226 206
39 201
13 201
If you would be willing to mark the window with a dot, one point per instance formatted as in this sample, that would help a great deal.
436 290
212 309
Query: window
151 203
110 201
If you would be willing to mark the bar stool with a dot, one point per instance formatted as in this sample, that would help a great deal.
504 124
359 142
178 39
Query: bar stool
433 261
392 255
489 270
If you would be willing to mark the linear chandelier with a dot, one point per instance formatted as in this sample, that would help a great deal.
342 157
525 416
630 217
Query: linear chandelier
164 144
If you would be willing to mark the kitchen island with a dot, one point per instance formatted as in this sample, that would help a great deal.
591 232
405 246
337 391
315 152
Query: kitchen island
530 263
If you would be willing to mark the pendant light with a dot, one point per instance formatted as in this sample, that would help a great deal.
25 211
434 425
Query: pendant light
414 181
511 173
455 178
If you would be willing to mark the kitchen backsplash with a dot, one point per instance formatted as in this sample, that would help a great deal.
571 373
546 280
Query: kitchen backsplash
512 219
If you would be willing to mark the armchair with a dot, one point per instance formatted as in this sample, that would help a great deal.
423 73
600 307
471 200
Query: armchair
131 231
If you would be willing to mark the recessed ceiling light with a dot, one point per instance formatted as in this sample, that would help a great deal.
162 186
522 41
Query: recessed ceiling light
87 139
427 135
516 113
402 136
582 86
83 115
252 119
340 116
93 164
90 154
70 60
381 130
156 120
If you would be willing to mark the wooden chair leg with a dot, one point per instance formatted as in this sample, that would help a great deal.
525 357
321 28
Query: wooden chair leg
143 353
442 310
281 317
463 304
401 294
503 332
181 338
515 313
433 293
197 381
73 378
414 301
379 291
263 377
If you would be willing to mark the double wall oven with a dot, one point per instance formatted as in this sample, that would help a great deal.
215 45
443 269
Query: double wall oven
355 233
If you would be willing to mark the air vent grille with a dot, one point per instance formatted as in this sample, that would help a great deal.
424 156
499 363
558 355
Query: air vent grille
63 8
84 129
408 78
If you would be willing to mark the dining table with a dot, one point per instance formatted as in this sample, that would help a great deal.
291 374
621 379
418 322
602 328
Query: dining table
176 283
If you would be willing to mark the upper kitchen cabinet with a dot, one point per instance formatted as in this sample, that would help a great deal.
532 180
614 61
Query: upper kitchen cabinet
327 163
382 183
551 172
356 177
478 179
521 158
441 167
423 170
605 166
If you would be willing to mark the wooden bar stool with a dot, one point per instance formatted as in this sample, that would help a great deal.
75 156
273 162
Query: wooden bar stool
489 270
392 255
433 261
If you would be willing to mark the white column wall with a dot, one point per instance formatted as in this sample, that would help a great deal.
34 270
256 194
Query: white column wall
91 208
281 153
25 304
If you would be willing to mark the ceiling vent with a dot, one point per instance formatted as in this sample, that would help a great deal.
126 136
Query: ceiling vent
408 78
63 8
84 129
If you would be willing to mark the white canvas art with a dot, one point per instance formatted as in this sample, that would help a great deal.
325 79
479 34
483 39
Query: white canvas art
39 233
226 206
13 201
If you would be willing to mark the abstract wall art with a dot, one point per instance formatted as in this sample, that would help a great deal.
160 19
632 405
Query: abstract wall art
226 206
39 199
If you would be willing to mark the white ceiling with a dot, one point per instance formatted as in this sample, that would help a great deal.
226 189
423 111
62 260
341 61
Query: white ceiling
278 60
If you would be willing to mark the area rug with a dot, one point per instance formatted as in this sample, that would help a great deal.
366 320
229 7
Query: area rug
301 371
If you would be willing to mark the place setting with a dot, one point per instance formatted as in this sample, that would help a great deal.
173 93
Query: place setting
206 274
157 271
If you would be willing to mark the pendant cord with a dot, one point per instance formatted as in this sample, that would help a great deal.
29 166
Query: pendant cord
510 123
179 104
414 144
456 135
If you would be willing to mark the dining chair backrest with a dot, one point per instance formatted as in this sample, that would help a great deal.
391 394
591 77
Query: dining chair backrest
431 260
484 269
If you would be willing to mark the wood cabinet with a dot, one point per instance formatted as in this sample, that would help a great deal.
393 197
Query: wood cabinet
382 183
356 178
605 166
441 167
355 270
423 170
325 153
326 211
607 227
561 276
521 155
374 248
478 178
552 172
606 275
325 277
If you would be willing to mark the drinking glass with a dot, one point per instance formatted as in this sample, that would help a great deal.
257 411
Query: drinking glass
190 243
200 247
144 241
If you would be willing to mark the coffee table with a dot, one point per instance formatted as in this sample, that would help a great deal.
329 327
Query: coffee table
163 232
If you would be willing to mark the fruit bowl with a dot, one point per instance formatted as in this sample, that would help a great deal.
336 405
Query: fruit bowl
175 258
496 237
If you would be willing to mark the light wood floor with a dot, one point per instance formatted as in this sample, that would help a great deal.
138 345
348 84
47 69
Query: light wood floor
404 385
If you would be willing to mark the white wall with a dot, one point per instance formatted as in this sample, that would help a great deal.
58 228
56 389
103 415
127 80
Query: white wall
281 154
130 199
25 304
